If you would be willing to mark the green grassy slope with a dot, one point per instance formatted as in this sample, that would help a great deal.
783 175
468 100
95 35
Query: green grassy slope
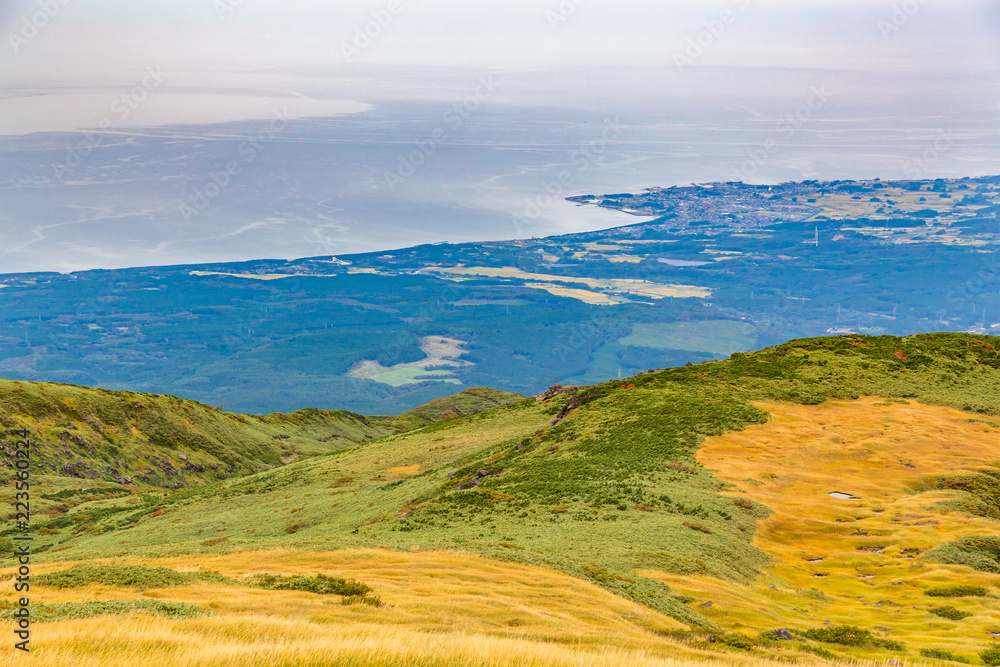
611 489
469 402
134 439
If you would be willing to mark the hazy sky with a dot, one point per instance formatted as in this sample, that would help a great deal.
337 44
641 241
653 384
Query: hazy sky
287 47
697 85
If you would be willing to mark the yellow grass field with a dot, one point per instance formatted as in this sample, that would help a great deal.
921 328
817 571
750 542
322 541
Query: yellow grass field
439 609
658 291
622 287
596 298
855 562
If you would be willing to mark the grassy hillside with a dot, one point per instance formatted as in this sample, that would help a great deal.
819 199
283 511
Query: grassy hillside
638 488
93 443
469 402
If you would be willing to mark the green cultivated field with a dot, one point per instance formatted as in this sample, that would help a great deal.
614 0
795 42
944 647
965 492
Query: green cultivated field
712 336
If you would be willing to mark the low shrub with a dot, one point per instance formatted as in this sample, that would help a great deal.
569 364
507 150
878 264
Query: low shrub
816 650
320 584
124 576
848 635
950 613
737 641
957 592
214 541
991 655
64 611
372 600
939 654
980 552
699 527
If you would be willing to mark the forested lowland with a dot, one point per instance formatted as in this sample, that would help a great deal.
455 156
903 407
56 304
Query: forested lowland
704 272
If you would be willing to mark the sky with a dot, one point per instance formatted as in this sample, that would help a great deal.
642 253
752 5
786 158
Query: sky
288 48
687 76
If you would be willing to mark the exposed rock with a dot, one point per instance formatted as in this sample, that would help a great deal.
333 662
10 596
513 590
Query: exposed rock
706 605
469 484
571 405
182 457
783 634
474 481
554 390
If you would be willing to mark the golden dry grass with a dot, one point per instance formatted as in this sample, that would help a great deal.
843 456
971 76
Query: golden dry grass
586 296
245 640
883 453
441 609
658 291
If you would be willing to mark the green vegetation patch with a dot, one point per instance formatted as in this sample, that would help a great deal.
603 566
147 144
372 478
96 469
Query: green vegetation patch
980 552
124 576
65 611
320 584
951 613
957 592
991 655
982 489
738 641
849 635
939 654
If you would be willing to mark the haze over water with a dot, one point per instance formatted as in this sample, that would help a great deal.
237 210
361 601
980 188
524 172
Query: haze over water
260 133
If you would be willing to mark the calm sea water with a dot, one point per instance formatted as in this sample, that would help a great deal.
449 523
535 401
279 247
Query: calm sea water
405 173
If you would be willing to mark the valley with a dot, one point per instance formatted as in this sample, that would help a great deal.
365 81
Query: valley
840 490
